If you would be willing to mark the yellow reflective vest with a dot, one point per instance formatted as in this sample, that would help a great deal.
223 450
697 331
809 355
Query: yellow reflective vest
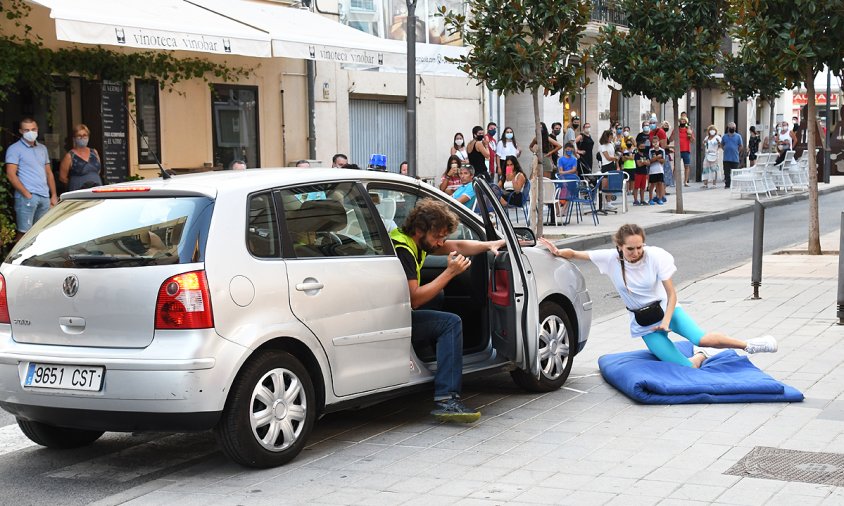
404 241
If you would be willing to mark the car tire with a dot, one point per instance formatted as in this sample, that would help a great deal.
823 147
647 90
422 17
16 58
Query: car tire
60 438
556 348
269 413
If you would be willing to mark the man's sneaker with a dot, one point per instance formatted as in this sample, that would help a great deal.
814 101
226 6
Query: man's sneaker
635 202
652 202
660 201
609 205
764 344
452 410
664 200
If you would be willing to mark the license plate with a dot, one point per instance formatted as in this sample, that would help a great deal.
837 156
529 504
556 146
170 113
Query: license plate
64 377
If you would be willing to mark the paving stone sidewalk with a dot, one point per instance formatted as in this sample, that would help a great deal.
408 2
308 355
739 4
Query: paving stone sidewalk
586 443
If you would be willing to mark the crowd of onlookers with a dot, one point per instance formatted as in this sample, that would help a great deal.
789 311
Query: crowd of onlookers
571 152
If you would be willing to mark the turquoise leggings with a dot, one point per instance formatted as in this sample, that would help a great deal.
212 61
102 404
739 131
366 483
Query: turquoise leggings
664 349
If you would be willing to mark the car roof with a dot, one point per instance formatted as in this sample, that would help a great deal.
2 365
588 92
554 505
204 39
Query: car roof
212 183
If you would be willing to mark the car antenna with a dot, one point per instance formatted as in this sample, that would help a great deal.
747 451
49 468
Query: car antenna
145 139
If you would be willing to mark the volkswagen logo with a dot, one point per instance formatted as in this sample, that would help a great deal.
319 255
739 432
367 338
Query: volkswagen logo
70 285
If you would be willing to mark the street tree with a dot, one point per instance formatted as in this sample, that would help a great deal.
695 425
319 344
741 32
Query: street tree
800 37
748 75
670 46
524 45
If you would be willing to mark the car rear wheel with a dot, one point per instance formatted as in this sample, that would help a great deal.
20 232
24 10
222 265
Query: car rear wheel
57 437
269 413
556 349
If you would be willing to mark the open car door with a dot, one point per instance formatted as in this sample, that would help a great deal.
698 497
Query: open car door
513 304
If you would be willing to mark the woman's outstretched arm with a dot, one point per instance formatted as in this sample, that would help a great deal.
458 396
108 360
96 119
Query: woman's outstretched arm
567 253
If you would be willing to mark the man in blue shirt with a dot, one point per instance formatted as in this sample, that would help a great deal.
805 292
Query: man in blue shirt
30 174
732 144
465 193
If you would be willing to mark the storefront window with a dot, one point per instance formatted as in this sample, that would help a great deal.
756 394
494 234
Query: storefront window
149 121
234 114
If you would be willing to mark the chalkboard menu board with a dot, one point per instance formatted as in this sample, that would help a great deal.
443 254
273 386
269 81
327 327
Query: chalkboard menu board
115 132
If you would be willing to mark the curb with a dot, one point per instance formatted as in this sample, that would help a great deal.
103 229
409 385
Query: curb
595 240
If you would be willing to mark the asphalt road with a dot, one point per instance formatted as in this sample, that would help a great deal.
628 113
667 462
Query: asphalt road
703 249
119 462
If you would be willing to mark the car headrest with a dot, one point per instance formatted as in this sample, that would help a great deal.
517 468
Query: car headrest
317 216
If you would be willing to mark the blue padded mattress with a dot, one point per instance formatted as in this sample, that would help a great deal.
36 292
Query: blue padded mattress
726 377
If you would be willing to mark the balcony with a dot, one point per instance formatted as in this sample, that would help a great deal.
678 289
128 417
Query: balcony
608 11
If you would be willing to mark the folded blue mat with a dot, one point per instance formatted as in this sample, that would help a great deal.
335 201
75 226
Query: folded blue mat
726 377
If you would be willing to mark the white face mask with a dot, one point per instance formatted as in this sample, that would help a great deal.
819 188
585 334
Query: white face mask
458 142
712 132
508 135
30 136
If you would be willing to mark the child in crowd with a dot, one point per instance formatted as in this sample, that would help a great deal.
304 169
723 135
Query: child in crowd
640 181
656 178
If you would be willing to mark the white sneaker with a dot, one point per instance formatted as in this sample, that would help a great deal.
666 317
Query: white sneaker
609 205
764 344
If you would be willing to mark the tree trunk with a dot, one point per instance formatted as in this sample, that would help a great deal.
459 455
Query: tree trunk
679 176
814 226
536 176
772 145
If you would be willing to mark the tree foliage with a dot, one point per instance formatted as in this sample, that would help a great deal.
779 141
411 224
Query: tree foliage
670 47
524 45
748 74
801 37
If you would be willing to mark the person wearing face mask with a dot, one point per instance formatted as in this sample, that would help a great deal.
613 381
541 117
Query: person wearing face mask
81 166
478 152
458 148
732 145
644 135
711 145
657 135
492 145
752 146
556 132
512 183
687 138
786 141
585 145
31 175
549 147
566 170
507 146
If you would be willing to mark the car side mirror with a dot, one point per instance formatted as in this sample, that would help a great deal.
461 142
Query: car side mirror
525 236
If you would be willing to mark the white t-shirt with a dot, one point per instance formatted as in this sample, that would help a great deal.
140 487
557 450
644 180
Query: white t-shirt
656 167
712 146
644 279
505 151
609 149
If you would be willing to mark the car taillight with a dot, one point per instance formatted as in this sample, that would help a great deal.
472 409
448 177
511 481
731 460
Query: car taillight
183 303
4 303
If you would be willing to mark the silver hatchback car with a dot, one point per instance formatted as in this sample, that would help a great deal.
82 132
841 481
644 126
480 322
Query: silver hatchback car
251 302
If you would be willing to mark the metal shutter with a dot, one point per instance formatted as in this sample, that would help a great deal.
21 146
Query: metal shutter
377 127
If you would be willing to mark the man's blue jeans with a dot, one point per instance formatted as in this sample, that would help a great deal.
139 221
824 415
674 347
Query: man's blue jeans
445 332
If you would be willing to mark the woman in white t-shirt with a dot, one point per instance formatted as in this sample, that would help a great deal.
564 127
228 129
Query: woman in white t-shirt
711 145
642 277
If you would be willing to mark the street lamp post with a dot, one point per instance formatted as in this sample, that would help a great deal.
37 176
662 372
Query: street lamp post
410 134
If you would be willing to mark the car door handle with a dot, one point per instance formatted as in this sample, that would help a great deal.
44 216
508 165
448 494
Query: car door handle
309 286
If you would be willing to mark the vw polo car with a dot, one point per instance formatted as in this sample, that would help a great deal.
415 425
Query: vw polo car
249 303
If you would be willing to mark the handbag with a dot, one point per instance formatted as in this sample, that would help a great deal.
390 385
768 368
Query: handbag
649 314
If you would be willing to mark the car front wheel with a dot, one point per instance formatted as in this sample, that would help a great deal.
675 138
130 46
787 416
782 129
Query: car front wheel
269 413
556 349
57 437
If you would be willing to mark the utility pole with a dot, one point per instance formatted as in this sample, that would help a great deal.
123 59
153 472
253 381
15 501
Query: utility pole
410 134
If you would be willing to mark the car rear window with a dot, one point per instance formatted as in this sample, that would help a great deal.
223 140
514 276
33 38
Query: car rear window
118 232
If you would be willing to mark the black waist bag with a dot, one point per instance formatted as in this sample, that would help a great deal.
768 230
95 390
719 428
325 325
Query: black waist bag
650 314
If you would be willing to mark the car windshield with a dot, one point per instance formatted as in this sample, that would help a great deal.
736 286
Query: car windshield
117 232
